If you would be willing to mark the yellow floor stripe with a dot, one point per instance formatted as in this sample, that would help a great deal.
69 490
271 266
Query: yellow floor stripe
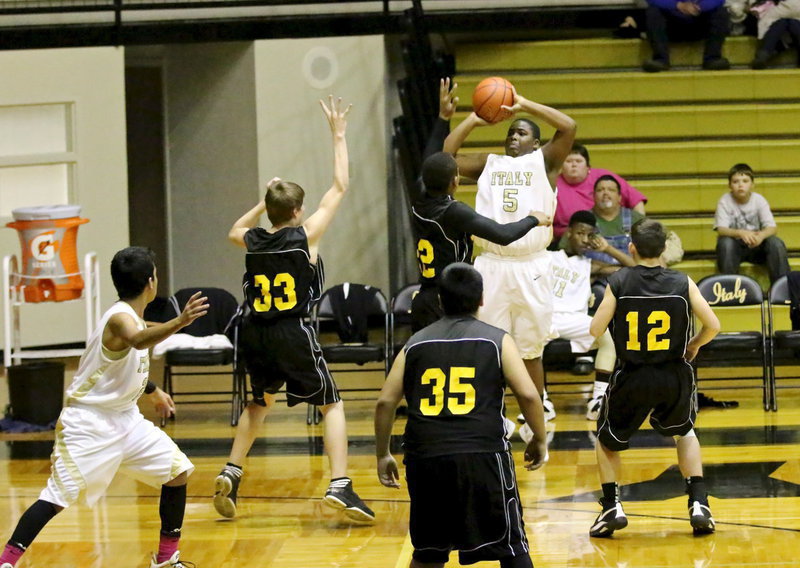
405 553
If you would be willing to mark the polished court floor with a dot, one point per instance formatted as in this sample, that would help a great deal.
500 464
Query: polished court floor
751 462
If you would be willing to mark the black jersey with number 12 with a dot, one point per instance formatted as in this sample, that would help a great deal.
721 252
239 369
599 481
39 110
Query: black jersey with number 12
651 320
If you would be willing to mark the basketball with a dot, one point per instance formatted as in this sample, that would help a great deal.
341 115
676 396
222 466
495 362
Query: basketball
489 96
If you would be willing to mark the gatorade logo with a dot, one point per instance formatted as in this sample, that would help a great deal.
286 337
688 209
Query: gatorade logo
43 247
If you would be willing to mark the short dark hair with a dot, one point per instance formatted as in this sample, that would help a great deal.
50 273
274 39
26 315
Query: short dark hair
282 199
608 177
438 171
581 149
585 217
131 271
649 237
537 134
741 169
460 289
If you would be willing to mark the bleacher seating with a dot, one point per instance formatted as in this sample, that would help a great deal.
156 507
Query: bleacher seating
673 135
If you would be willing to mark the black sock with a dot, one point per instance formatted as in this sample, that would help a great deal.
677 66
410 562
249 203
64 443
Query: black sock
32 522
610 494
521 561
602 376
696 488
171 509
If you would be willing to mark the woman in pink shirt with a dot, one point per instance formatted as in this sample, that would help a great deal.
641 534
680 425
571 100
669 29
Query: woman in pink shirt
576 189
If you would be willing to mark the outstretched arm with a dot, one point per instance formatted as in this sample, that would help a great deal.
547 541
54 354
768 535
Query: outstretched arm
469 165
464 219
121 331
317 224
248 220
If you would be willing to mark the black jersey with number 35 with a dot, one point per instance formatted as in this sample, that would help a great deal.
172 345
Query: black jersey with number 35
454 386
651 321
438 245
280 280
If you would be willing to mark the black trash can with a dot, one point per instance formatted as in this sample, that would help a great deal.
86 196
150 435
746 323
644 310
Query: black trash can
36 391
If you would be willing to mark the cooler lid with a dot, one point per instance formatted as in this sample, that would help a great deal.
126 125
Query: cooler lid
43 212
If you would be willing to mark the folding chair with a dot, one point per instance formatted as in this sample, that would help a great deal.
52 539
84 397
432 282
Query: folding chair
784 340
731 296
356 312
400 318
223 308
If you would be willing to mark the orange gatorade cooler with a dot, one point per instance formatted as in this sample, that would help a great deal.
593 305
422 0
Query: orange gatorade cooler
48 235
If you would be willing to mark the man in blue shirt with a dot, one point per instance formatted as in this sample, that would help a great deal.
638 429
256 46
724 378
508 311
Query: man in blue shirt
689 20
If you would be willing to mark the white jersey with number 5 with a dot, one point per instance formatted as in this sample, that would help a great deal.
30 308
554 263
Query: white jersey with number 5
508 190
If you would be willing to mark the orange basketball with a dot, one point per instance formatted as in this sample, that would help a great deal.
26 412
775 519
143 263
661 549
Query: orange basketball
489 96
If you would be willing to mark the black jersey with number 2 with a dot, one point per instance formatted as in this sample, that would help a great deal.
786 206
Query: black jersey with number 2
280 280
438 245
454 386
651 321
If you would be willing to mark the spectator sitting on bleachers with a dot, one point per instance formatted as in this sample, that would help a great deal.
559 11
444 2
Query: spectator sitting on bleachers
576 189
746 228
687 21
613 220
775 21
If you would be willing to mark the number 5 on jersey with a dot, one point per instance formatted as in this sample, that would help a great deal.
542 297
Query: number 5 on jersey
451 391
286 301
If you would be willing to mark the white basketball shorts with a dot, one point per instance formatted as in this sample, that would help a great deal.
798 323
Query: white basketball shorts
517 297
575 327
93 444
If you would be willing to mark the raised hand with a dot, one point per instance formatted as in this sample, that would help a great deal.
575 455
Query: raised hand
447 99
336 115
196 307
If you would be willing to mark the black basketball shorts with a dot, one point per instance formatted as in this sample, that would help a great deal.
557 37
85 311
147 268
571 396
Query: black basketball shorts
287 351
425 308
465 502
665 391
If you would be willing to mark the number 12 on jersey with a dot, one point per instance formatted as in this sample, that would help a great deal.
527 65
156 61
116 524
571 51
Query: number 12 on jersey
455 391
660 321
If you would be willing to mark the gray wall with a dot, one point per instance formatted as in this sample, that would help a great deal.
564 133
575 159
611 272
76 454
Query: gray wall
212 158
295 143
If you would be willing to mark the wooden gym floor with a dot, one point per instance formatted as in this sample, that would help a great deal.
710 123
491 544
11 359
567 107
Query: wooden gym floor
751 462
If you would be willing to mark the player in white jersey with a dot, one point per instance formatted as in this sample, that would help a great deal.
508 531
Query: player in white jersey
572 290
101 430
517 277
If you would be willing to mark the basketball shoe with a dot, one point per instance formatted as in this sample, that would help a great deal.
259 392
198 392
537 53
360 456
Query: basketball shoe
700 518
340 495
593 408
610 519
173 562
226 486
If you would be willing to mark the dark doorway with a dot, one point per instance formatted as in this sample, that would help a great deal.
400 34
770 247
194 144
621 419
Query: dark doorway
147 214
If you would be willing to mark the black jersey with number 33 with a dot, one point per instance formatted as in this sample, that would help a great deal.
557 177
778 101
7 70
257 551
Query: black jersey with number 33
454 386
280 280
651 321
